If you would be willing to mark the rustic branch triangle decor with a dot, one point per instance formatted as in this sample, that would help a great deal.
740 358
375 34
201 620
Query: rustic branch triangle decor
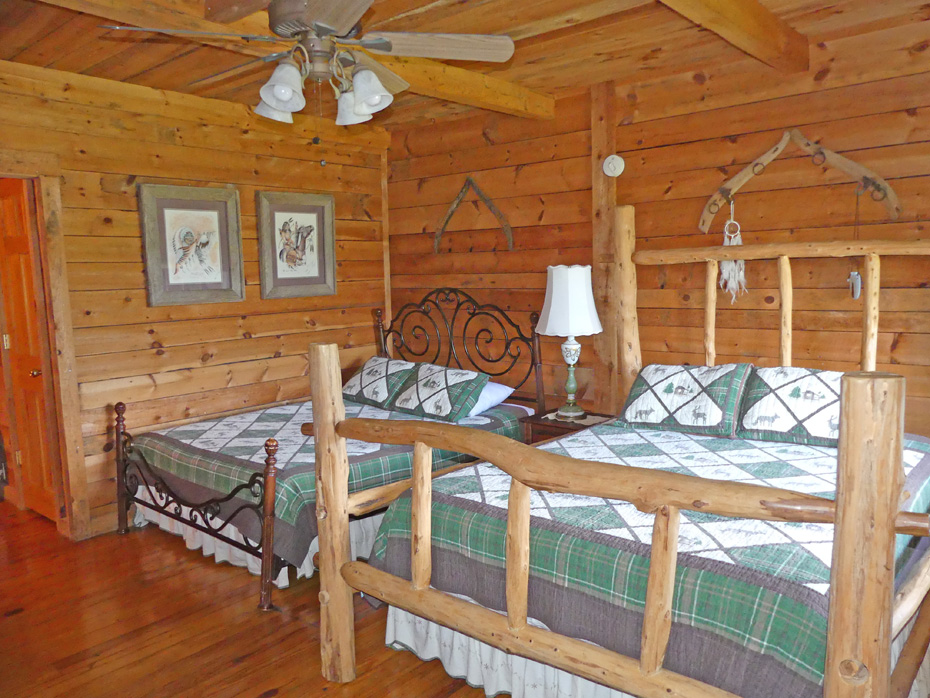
471 184
868 180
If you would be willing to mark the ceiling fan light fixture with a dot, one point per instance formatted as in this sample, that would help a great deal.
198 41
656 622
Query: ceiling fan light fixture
284 90
370 95
347 115
269 112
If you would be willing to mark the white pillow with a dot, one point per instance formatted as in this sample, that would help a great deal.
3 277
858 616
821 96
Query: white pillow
491 395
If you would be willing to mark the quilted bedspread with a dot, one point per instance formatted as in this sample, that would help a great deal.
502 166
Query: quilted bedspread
206 459
750 602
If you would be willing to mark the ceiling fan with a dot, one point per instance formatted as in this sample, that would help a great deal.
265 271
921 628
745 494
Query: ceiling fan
327 44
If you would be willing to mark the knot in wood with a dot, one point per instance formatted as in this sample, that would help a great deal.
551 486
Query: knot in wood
324 597
854 672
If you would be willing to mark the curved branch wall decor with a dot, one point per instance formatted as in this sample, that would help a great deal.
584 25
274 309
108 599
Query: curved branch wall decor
868 180
471 184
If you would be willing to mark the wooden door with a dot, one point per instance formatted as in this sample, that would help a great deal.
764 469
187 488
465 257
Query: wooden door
26 352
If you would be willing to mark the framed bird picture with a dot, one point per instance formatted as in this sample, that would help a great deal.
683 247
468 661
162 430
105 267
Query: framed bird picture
297 244
193 245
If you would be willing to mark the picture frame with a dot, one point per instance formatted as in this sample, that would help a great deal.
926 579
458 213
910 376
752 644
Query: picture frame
192 244
297 244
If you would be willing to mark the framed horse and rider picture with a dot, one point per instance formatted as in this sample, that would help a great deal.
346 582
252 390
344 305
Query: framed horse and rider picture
297 244
193 245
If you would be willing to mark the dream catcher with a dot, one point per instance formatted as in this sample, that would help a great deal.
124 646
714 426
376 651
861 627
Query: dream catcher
732 272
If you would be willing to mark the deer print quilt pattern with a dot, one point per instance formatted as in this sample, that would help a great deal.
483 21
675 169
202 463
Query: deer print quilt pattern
378 381
797 405
439 392
695 399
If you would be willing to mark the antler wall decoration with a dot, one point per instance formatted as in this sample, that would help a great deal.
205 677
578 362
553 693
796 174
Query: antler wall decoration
868 180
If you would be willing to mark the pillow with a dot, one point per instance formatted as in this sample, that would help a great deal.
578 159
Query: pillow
439 392
695 399
492 395
378 381
797 405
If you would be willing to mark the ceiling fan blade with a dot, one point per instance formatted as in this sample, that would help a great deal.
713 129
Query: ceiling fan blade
235 70
392 82
494 48
188 32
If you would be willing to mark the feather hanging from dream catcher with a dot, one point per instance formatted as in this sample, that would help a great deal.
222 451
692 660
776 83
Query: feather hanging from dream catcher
732 272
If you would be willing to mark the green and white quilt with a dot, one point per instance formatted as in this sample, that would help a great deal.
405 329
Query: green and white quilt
203 460
750 604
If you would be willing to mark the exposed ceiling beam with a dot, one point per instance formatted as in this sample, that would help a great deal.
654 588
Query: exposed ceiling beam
226 11
442 81
749 26
164 13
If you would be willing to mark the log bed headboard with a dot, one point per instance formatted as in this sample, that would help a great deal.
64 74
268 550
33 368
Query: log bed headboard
450 328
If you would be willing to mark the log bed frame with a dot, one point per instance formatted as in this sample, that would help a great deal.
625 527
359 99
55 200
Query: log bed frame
447 326
864 613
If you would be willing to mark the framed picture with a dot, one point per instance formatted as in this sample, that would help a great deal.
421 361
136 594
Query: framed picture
297 244
193 246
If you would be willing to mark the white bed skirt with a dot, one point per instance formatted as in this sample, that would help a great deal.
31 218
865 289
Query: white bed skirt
497 672
362 534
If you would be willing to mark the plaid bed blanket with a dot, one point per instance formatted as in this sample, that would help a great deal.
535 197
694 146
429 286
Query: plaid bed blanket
205 459
750 604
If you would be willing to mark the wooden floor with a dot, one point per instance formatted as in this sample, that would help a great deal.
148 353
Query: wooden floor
140 616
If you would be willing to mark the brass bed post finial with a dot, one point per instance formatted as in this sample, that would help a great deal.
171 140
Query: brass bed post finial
268 491
122 501
537 366
379 321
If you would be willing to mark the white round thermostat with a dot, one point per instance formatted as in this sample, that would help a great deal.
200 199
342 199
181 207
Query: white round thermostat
614 165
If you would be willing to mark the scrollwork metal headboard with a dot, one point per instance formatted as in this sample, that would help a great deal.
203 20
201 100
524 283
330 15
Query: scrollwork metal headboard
450 328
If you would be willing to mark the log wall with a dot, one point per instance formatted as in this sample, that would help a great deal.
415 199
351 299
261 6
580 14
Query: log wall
866 96
181 362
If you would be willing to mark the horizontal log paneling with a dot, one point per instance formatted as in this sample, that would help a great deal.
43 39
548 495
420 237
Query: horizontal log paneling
182 362
684 133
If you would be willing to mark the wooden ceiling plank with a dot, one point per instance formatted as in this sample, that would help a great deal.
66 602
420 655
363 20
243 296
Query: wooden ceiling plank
227 11
163 13
751 27
442 81
49 47
28 25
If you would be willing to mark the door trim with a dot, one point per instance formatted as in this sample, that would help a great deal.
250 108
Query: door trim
45 171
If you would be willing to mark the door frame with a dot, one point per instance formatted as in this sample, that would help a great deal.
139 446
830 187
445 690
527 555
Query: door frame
45 172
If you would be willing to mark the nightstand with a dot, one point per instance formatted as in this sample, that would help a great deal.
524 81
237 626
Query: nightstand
540 427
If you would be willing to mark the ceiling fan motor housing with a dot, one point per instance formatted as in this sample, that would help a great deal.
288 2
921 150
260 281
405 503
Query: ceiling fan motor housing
289 18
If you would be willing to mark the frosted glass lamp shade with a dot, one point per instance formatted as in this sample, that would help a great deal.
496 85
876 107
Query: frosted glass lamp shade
568 310
346 114
370 95
269 112
284 90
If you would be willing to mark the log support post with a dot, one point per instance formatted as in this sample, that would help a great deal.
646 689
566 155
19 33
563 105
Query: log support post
269 488
421 556
657 618
631 358
337 620
871 291
518 554
869 482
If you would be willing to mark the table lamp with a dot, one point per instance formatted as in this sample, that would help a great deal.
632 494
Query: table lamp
569 312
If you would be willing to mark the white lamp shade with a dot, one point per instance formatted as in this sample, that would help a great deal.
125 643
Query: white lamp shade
346 114
284 90
370 95
569 307
269 112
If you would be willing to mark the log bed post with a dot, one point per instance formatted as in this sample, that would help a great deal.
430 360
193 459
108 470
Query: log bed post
786 306
657 617
269 489
337 620
631 359
421 513
870 478
518 554
122 501
710 313
871 292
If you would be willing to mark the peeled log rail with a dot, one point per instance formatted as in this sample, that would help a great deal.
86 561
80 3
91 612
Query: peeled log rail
773 250
647 489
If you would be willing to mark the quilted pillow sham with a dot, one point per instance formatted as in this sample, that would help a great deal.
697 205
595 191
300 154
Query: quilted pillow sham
378 381
440 392
694 399
797 405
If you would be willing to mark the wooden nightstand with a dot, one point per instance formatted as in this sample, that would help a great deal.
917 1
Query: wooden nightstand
540 427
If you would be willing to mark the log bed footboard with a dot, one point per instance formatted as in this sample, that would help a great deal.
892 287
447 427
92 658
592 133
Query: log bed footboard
866 515
133 471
